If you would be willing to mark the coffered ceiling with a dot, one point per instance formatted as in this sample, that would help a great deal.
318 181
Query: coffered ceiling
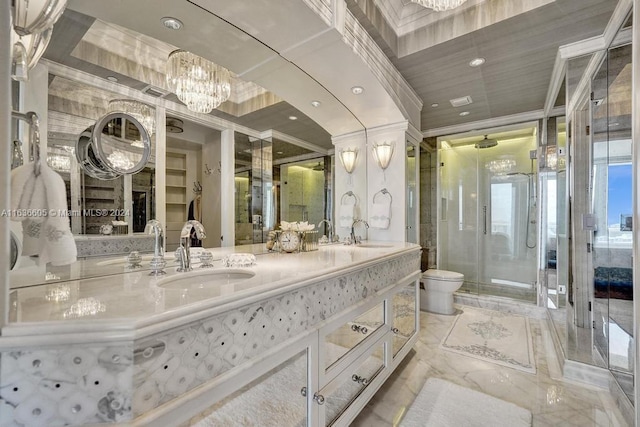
519 41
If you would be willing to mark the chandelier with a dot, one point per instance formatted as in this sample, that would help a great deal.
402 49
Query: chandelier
120 160
502 165
439 5
144 113
199 83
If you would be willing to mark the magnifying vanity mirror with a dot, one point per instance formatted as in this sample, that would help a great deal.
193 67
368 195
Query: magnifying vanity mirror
118 144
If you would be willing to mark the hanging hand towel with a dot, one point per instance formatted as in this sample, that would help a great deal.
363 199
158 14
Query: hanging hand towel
380 215
58 244
346 215
28 196
46 231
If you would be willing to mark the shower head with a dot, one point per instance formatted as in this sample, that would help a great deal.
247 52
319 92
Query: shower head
487 143
318 167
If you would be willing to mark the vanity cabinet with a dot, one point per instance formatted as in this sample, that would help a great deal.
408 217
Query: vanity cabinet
303 347
326 378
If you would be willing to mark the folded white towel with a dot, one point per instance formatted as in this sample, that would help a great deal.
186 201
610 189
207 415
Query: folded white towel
380 216
45 233
346 215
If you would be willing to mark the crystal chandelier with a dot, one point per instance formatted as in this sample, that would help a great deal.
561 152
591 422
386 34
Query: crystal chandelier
144 113
439 5
199 83
120 160
501 166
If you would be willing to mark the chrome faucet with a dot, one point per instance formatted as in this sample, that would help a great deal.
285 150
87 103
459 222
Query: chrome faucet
330 229
357 239
157 262
154 227
185 243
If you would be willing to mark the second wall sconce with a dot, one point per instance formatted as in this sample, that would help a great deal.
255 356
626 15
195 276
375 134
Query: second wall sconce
348 157
382 152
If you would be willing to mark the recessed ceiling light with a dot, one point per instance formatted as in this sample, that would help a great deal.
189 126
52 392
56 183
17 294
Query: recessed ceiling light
476 62
293 118
112 78
357 90
464 113
279 152
435 105
316 103
171 23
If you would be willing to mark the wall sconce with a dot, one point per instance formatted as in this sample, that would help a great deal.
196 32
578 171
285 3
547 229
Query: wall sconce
383 152
348 158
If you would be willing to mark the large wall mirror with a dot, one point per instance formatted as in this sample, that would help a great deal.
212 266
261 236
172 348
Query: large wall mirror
282 159
74 110
277 180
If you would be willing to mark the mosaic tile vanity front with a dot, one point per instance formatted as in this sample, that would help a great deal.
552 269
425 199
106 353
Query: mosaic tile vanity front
92 384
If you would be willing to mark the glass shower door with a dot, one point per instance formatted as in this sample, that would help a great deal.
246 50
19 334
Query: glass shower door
487 227
458 213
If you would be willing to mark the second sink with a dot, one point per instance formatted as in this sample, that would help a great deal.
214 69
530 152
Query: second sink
205 279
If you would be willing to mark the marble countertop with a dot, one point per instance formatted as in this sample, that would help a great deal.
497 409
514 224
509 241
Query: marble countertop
134 299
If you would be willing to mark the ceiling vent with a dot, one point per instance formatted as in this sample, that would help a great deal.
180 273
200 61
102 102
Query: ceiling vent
155 91
460 102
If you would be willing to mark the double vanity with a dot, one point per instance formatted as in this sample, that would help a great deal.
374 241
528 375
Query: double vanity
294 339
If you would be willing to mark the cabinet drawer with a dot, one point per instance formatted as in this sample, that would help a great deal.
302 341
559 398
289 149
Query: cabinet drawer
341 340
342 391
404 312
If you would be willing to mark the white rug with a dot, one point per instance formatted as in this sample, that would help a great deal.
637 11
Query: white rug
441 403
492 336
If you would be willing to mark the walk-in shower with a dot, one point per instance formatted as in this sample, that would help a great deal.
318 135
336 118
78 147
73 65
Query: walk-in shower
487 211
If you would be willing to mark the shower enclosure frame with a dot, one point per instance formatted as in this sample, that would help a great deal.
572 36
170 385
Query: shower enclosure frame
503 283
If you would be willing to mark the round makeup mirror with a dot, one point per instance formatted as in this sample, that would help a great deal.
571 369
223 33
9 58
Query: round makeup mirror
118 144
88 160
122 143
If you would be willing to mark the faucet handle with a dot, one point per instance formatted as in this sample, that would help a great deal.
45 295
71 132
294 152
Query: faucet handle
206 259
134 259
157 265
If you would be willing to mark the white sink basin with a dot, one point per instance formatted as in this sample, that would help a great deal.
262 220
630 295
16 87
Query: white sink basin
122 262
205 279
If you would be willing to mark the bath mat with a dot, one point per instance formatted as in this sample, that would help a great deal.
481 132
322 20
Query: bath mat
492 336
441 403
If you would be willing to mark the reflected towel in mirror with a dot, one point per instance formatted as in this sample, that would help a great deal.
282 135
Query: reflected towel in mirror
45 223
380 215
346 215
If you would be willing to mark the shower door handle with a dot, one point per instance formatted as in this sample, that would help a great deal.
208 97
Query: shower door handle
484 219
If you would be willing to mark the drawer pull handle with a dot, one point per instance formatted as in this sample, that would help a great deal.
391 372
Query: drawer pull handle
318 398
359 379
358 328
395 330
303 391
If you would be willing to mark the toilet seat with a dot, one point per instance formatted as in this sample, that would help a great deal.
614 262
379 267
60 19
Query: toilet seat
443 275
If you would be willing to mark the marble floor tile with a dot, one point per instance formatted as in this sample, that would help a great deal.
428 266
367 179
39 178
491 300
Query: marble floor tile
551 400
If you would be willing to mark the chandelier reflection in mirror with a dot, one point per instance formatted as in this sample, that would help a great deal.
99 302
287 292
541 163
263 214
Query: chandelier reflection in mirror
501 166
199 83
439 5
144 113
120 160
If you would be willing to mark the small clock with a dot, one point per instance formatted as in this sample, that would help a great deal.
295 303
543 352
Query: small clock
289 241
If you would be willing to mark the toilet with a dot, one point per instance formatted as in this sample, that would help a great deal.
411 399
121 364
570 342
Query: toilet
439 286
